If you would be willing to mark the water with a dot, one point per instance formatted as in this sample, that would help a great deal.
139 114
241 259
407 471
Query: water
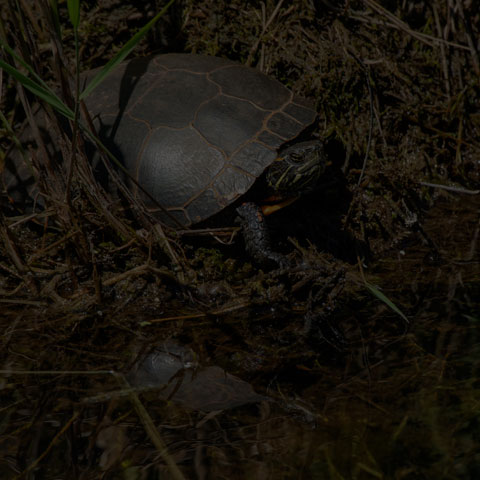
398 400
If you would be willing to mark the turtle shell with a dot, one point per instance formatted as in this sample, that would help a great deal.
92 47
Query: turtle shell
195 131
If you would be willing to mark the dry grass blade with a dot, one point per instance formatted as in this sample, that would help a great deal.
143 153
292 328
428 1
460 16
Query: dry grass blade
397 23
151 429
470 40
450 188
50 446
266 25
12 251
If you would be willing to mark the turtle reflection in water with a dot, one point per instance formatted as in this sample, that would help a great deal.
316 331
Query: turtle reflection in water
171 371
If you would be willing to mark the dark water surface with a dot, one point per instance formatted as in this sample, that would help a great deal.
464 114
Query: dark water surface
236 398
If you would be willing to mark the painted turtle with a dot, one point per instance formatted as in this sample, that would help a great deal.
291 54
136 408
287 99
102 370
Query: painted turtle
196 132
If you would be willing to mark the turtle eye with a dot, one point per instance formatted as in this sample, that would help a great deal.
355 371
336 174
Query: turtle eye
295 157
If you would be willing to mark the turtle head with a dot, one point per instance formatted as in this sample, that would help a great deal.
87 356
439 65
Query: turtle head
297 169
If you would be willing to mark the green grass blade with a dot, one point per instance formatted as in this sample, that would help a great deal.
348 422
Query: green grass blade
38 86
25 65
74 12
377 293
56 17
124 51
40 91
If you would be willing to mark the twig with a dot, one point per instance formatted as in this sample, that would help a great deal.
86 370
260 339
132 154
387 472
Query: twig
21 301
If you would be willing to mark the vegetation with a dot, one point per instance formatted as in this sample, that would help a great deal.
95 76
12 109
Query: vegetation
371 336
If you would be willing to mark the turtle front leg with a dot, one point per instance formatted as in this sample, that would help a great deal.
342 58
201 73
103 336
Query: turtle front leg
257 238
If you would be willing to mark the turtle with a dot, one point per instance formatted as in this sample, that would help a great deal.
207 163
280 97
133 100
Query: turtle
197 132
